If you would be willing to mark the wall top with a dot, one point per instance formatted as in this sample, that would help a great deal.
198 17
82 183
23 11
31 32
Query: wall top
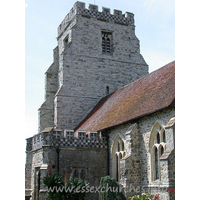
92 12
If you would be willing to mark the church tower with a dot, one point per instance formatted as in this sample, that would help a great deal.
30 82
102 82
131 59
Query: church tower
97 53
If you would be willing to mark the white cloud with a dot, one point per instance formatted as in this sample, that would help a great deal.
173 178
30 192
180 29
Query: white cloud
26 5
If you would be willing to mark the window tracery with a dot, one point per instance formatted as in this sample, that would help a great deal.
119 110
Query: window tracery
156 147
106 42
118 152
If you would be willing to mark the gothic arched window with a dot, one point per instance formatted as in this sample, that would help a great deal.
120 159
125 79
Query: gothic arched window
158 138
164 138
156 149
122 146
118 152
162 150
117 167
118 147
156 163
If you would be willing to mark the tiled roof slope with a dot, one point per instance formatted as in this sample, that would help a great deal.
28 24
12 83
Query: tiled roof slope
144 96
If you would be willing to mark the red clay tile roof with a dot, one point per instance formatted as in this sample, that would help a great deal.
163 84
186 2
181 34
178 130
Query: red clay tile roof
144 96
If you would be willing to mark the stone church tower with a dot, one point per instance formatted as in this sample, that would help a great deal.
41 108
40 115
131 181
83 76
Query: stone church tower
97 53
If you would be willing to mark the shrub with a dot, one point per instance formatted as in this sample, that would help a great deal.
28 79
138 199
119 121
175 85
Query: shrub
145 197
54 182
110 189
56 190
76 189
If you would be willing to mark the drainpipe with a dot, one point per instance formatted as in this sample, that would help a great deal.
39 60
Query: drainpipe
106 135
108 156
58 151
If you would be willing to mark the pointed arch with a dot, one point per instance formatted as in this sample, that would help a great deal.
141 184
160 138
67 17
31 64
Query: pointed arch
113 147
156 149
117 152
157 128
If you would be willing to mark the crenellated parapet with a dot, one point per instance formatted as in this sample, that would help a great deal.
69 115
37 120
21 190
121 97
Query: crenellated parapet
79 139
67 138
92 12
40 140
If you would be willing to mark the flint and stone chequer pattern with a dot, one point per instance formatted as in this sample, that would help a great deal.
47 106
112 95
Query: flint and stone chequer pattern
75 142
56 140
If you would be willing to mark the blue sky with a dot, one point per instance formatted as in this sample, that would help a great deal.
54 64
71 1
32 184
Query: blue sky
155 28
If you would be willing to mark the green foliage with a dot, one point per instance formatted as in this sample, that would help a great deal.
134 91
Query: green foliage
53 182
74 190
144 197
110 189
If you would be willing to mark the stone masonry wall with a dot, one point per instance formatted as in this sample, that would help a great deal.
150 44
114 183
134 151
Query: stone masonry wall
130 164
84 71
28 167
46 111
91 160
75 154
145 126
135 166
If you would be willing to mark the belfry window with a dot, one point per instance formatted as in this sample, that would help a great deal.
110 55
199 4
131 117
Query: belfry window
106 42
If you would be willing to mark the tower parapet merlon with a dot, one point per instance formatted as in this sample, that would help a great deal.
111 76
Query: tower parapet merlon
92 12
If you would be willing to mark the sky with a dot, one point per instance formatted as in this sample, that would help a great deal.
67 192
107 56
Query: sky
155 28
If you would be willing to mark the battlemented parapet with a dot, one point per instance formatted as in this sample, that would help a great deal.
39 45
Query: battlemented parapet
92 12
66 138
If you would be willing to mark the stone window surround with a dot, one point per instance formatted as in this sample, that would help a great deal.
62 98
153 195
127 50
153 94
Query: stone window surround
156 129
117 154
109 35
